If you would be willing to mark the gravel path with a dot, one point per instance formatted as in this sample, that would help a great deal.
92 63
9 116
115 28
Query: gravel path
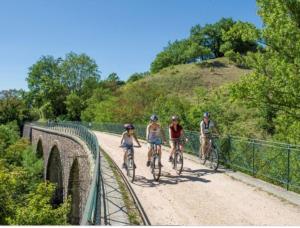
199 196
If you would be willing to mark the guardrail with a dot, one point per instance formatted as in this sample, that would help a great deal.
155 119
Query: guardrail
275 162
92 211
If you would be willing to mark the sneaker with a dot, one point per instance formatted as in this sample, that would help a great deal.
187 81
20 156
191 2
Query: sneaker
170 159
124 166
148 163
161 165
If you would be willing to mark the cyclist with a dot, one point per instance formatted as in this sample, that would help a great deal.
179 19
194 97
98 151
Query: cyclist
207 126
127 141
175 133
154 134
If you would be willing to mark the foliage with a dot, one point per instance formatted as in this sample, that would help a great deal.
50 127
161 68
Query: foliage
76 70
178 52
137 76
74 106
13 107
210 35
24 198
8 135
274 84
240 38
37 209
51 80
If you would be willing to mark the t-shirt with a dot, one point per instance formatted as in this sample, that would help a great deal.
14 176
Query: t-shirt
127 140
175 133
206 127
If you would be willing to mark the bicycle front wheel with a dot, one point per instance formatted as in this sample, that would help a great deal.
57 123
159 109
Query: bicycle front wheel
156 168
214 159
130 169
178 162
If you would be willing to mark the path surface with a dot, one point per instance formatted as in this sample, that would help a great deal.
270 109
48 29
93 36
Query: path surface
199 196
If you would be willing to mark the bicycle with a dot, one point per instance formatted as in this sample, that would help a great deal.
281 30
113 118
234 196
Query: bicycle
155 164
178 157
212 154
130 164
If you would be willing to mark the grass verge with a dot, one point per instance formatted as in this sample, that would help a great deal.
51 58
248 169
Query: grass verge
133 214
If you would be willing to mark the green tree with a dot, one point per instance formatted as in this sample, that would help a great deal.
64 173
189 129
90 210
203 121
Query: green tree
210 36
44 83
137 76
37 209
99 94
13 107
74 106
274 84
178 52
76 70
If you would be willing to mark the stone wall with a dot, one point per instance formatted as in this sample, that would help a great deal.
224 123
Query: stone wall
70 148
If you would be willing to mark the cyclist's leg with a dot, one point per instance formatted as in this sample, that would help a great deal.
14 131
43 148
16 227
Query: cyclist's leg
208 146
203 146
172 143
181 147
149 154
159 153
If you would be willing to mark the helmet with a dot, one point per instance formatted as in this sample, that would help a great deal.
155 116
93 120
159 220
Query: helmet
154 118
206 114
128 126
175 118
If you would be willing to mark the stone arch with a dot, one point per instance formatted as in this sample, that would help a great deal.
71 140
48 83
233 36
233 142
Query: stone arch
74 192
39 149
54 174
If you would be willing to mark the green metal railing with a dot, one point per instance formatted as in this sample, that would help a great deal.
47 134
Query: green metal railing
275 162
92 211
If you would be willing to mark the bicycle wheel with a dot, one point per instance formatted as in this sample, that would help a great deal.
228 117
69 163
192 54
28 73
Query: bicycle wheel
178 162
130 169
214 158
156 168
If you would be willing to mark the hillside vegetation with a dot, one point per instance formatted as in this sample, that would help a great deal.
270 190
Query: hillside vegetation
184 78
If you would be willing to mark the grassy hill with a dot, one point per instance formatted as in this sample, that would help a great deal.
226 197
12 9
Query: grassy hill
185 77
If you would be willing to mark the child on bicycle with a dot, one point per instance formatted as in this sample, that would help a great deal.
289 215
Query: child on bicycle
127 141
154 135
176 133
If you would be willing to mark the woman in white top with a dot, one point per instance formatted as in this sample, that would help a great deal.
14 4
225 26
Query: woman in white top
154 135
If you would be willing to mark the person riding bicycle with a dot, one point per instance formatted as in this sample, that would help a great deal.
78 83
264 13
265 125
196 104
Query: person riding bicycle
127 140
175 133
207 126
154 135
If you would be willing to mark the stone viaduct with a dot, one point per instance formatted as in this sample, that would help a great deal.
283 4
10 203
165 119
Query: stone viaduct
68 163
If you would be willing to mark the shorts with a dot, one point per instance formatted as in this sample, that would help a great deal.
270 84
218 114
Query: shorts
156 141
172 142
127 147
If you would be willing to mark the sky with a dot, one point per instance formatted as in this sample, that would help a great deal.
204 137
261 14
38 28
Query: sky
122 36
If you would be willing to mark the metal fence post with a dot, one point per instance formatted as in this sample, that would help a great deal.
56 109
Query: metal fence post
288 167
229 149
253 157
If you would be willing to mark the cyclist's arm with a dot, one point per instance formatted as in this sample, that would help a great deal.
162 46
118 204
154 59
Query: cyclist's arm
136 139
122 139
170 136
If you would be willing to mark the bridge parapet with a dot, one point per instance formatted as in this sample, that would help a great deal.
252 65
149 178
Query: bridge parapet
75 149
